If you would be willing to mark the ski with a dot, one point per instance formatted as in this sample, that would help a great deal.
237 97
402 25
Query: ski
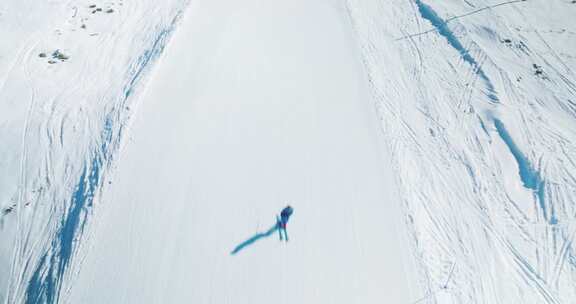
279 227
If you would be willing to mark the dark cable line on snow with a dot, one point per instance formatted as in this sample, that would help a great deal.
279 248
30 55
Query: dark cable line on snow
460 16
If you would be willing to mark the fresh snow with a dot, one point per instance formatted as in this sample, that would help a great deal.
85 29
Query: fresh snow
258 117
427 146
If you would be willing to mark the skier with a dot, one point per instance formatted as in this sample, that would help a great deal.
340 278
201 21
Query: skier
283 220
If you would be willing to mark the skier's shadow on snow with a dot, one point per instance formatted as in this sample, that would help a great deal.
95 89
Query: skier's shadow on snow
254 238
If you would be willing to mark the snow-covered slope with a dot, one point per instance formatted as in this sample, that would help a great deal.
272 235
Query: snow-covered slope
477 102
427 146
239 120
69 75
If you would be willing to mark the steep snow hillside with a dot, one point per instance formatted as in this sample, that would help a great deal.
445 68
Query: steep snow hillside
69 71
428 148
477 101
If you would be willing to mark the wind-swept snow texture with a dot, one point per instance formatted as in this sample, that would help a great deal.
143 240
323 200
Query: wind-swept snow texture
477 102
68 72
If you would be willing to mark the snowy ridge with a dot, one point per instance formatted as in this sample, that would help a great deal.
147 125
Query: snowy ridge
488 187
49 234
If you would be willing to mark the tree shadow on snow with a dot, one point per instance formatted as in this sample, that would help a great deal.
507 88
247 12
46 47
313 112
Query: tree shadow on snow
255 238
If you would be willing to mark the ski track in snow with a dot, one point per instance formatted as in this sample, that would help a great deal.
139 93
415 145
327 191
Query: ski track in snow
45 284
487 186
41 261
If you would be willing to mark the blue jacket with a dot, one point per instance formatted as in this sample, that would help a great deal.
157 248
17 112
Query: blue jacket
285 214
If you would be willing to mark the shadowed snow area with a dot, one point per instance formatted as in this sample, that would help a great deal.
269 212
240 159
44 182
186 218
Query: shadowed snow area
428 148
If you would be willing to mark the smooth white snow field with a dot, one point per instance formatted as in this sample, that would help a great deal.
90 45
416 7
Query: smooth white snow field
254 105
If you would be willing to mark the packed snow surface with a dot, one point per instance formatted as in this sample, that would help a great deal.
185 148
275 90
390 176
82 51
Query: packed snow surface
428 148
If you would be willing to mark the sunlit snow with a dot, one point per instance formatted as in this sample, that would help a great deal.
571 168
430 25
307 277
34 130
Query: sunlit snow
428 148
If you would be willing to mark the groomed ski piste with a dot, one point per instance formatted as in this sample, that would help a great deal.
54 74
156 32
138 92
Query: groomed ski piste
427 147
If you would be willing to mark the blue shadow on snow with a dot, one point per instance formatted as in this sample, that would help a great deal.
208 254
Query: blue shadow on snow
442 27
255 238
529 175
